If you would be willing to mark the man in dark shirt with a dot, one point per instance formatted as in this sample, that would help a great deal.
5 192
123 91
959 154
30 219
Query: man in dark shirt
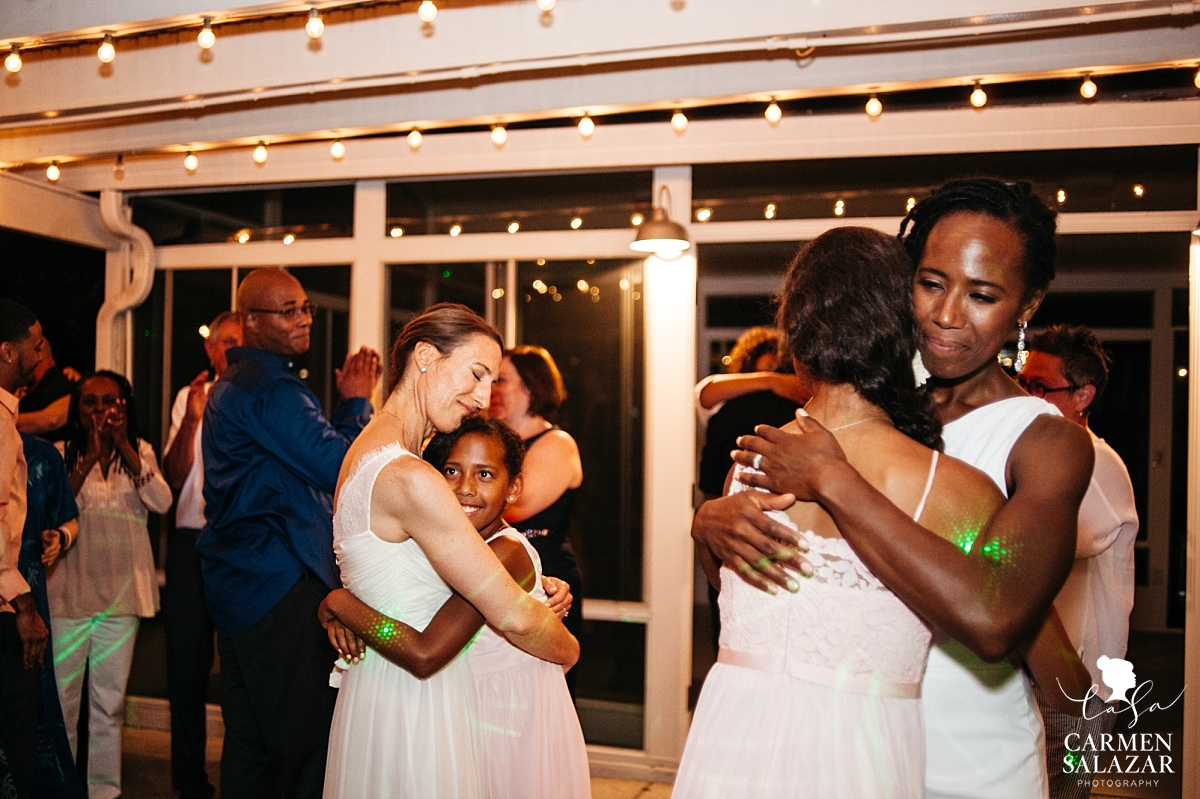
44 406
271 462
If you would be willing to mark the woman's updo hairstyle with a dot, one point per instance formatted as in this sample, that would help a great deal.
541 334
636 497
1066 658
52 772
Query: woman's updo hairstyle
541 377
1012 203
446 326
846 314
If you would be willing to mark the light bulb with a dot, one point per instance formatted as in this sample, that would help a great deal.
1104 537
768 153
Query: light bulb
514 226
288 238
427 11
909 203
704 214
107 50
455 229
576 223
773 113
546 5
636 220
978 96
53 172
191 162
414 139
1196 80
582 285
315 26
206 38
1087 89
679 121
243 237
119 167
396 232
1139 190
839 208
12 62
769 211
337 150
1061 196
873 107
204 331
260 153
499 135
586 127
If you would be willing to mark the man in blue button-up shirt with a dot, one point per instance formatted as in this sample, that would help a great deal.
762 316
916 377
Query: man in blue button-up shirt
271 463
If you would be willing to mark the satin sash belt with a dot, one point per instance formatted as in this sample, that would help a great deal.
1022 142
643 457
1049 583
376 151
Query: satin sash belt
777 664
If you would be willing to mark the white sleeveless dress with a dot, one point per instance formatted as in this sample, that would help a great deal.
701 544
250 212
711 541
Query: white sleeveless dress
394 735
983 731
533 746
814 694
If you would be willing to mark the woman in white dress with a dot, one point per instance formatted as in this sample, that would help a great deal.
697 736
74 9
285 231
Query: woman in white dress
984 254
403 543
839 659
533 747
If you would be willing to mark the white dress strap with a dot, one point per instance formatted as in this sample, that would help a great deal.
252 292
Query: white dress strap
928 487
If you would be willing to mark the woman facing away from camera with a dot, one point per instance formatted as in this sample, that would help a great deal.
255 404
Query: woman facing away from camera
403 543
984 254
839 662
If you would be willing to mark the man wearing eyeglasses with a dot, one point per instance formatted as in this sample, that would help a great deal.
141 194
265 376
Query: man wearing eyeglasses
1068 367
271 462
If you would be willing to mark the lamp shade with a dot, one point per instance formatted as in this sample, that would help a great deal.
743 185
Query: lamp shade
661 236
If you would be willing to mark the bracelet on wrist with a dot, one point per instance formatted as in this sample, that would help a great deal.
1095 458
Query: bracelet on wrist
64 539
141 479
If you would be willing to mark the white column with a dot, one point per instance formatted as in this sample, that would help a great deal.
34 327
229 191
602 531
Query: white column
1191 647
368 278
670 328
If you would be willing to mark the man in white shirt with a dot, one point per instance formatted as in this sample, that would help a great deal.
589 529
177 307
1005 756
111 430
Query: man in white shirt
1068 367
189 628
22 633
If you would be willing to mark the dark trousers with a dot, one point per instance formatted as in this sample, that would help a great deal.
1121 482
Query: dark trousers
19 691
189 632
276 700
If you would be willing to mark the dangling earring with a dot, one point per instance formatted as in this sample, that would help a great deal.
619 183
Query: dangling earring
1022 353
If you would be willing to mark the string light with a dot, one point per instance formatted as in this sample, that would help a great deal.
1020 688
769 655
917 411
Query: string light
514 226
396 232
190 162
204 331
289 238
704 214
582 285
546 5
206 38
839 208
12 62
315 25
107 50
773 113
1087 89
243 237
679 121
337 150
455 229
1061 196
909 204
427 11
499 135
1139 190
414 139
874 107
636 220
979 96
260 153
769 211
576 223
53 173
586 127
119 167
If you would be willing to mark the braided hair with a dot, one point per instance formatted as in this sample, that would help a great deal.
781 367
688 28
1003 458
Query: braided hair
847 315
1012 203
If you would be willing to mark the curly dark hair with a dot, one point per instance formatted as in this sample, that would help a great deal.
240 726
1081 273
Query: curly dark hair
847 316
752 345
1084 359
76 438
437 451
1011 202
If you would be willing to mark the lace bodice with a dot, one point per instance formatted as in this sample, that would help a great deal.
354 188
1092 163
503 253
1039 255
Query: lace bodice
395 579
843 627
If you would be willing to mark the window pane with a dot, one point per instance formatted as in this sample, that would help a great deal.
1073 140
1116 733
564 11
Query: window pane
492 205
593 329
611 692
1177 568
1098 309
308 212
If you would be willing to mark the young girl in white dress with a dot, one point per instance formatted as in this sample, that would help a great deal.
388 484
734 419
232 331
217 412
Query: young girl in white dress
533 747
403 543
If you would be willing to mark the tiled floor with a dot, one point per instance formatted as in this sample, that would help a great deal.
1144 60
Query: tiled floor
146 771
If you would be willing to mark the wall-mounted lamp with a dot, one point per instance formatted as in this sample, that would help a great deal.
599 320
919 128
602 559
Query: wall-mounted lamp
660 235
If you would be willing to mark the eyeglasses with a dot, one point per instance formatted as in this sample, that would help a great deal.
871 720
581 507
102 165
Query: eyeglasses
1039 389
290 314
